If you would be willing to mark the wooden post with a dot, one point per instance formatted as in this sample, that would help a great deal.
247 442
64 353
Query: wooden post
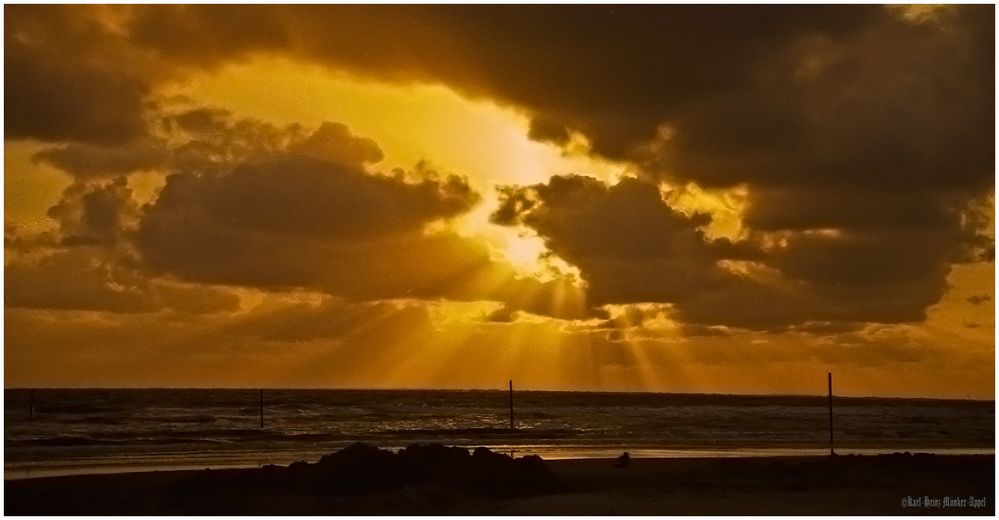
261 408
31 405
832 449
511 404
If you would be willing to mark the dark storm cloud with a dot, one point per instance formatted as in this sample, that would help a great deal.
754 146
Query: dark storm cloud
206 36
880 135
96 213
88 160
88 263
249 203
892 106
776 88
70 280
629 245
294 221
255 205
863 136
553 60
20 240
763 91
68 78
821 328
184 236
771 95
258 205
594 219
89 280
797 208
298 196
43 101
632 247
335 143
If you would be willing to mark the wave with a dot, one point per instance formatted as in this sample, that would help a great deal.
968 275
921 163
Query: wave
533 433
113 424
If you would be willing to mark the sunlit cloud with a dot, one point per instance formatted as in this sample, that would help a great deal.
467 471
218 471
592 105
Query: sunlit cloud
448 199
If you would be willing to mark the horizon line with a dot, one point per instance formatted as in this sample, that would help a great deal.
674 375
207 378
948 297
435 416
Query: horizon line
504 390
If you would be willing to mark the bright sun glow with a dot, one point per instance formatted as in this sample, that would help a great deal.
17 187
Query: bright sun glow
524 252
479 139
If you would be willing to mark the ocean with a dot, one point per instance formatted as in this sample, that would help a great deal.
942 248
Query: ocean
92 430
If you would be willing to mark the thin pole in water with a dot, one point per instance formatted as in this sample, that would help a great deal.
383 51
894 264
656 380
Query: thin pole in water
832 450
261 408
31 405
511 404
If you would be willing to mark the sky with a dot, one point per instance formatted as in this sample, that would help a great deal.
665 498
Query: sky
722 199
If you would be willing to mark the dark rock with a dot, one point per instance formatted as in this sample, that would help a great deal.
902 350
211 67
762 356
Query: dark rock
434 462
358 469
495 474
532 476
298 466
362 469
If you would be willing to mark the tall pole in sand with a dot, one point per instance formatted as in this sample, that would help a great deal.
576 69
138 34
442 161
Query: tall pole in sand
832 450
261 408
511 404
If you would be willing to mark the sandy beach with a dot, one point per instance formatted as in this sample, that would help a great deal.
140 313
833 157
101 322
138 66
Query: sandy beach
877 485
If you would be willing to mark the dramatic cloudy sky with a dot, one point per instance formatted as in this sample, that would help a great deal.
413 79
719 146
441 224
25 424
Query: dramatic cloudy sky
667 198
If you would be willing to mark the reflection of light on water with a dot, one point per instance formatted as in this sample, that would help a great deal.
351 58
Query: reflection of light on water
586 452
87 431
252 460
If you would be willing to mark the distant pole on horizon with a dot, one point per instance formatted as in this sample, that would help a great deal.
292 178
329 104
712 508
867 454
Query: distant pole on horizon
511 405
31 405
261 408
832 445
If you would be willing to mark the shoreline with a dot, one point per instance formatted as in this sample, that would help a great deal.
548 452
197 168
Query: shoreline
184 461
844 484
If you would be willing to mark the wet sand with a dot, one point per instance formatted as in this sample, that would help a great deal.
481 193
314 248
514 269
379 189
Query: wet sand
842 485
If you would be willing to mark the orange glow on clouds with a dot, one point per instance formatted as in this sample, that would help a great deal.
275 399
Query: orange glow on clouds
471 344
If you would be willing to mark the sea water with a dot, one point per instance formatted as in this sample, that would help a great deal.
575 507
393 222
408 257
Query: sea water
90 430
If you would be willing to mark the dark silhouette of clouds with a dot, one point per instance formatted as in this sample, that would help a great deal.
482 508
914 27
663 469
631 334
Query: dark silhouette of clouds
979 299
863 136
95 213
68 78
84 160
632 247
88 280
